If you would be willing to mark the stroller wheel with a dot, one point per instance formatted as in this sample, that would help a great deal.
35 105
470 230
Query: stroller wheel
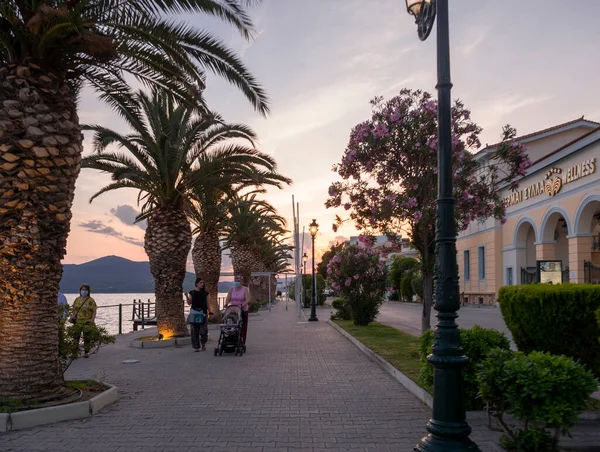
216 351
244 348
236 352
221 352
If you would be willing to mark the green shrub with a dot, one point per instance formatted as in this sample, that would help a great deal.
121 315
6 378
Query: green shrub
68 346
558 319
394 296
534 439
406 289
477 343
417 285
401 267
540 389
321 297
253 306
343 312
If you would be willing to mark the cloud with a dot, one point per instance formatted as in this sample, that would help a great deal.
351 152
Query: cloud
100 228
338 239
127 214
474 40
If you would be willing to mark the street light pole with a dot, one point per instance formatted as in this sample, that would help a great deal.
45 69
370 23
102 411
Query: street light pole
304 259
448 428
313 228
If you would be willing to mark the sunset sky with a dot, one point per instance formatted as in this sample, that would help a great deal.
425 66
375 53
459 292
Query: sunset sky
532 64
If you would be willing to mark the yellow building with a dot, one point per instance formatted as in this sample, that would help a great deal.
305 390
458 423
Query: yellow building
552 220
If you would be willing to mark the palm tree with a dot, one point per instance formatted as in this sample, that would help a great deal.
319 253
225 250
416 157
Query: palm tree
162 163
237 168
251 221
48 50
275 256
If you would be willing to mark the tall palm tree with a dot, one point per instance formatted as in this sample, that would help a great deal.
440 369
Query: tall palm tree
251 221
236 168
48 50
162 163
275 256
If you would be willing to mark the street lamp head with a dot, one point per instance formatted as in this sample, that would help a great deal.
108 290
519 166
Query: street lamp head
313 228
304 258
424 13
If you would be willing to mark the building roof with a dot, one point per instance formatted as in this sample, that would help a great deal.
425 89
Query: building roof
570 143
557 128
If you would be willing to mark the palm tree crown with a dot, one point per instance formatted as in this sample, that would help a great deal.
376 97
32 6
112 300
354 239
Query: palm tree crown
98 41
172 152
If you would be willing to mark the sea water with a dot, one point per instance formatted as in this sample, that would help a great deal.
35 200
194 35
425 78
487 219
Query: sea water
107 315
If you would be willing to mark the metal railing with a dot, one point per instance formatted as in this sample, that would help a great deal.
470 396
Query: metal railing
144 312
529 275
591 273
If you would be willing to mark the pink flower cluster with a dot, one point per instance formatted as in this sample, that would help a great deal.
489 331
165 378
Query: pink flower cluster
390 172
357 271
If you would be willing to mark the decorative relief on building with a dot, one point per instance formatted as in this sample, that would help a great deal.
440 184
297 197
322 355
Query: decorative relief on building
553 182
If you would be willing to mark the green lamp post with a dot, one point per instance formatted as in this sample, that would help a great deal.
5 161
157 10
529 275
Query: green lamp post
304 259
448 428
313 229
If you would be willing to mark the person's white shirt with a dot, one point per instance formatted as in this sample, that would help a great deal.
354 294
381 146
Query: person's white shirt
62 301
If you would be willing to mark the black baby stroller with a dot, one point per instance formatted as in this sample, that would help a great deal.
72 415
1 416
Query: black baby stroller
230 339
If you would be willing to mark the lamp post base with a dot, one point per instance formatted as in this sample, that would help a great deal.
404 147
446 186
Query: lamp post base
433 444
313 314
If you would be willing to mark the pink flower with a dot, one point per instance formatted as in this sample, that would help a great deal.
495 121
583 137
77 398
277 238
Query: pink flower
430 106
332 191
356 276
334 227
394 116
348 282
347 206
417 216
381 131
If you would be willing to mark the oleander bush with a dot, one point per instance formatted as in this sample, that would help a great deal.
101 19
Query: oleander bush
360 276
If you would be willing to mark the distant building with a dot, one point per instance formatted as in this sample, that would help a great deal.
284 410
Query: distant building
552 229
392 249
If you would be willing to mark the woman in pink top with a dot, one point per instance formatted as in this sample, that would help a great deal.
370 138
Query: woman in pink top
240 296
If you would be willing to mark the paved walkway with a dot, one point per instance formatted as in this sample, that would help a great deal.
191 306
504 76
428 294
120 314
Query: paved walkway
301 386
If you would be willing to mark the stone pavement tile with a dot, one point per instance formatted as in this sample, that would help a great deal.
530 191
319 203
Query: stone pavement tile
301 386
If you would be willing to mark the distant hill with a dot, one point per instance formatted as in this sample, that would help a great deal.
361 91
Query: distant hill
113 274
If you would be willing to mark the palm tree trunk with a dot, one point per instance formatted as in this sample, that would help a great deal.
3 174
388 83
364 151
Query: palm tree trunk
243 260
206 255
40 154
167 242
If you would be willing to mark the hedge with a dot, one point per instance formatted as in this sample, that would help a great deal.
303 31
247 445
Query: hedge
558 319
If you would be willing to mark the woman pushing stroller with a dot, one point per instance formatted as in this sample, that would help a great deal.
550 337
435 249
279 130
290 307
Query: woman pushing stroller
239 295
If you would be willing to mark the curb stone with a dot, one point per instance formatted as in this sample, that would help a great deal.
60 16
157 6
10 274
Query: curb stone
415 389
42 416
50 415
104 399
179 341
